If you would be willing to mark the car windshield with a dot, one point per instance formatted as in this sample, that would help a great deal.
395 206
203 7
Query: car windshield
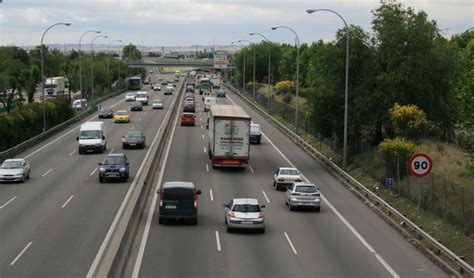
246 208
121 113
289 172
130 94
158 101
106 110
134 135
141 95
113 161
90 134
11 164
305 189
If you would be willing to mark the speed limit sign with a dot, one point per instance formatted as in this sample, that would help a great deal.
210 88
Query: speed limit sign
420 165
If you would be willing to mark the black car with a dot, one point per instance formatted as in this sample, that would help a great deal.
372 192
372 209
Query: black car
114 166
178 201
137 106
133 139
189 107
106 112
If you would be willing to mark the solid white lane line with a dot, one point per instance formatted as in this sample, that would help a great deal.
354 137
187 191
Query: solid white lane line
21 253
111 151
93 171
205 151
65 134
8 202
207 167
251 169
212 196
291 243
47 172
231 100
71 153
218 241
151 212
202 127
338 214
133 126
203 137
266 197
67 202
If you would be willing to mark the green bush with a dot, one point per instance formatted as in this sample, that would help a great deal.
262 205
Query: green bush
27 121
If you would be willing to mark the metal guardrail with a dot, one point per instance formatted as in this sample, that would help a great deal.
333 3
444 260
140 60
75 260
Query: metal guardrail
38 138
463 266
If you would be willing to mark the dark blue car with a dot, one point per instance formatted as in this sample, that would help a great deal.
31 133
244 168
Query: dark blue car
114 166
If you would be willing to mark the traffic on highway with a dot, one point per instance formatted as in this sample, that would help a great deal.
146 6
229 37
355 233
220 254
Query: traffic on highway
222 204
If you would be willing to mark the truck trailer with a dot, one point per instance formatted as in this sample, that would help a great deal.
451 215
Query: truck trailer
229 132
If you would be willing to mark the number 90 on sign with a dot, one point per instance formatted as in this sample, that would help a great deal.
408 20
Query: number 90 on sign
420 165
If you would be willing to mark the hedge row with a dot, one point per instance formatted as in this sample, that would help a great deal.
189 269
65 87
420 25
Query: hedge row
27 122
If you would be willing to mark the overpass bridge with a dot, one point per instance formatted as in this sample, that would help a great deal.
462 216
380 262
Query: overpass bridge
180 63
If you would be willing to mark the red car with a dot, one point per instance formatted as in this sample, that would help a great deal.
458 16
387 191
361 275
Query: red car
188 119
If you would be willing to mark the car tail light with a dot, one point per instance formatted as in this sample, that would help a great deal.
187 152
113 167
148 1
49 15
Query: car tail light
162 197
260 215
315 194
295 194
195 200
281 179
298 180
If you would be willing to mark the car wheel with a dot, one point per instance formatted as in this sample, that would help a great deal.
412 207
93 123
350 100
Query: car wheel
80 151
160 220
28 176
23 178
286 203
101 180
225 220
194 221
124 146
262 230
317 209
291 208
229 229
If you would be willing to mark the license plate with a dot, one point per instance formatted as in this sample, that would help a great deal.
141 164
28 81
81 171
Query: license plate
170 207
133 144
247 222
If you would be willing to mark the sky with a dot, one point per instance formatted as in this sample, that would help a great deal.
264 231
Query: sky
203 22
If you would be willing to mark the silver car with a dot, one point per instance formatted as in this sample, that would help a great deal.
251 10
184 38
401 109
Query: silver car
157 104
244 213
14 170
302 194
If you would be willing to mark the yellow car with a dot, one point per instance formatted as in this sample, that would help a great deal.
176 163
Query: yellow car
121 116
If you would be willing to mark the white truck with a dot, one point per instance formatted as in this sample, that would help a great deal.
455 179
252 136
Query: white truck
55 86
229 133
92 137
216 83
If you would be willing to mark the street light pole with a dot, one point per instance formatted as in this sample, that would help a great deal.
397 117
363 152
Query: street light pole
80 60
108 65
92 64
297 70
42 70
269 67
346 96
243 79
253 65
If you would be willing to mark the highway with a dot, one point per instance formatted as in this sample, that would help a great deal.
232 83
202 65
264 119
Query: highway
53 224
345 239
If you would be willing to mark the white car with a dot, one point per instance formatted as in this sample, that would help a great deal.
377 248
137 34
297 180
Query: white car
244 213
303 194
130 96
14 170
142 96
157 87
285 176
79 104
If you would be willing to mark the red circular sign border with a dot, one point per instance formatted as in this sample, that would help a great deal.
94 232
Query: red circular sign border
413 158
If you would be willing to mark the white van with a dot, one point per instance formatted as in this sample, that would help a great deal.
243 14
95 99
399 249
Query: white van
79 104
208 101
92 137
142 96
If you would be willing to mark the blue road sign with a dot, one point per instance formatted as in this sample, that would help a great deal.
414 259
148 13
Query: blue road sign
389 182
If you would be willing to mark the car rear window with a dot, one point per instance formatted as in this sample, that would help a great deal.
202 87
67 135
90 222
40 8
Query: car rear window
246 208
305 189
289 172
187 115
178 193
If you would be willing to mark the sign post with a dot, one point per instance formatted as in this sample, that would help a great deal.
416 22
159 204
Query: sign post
420 165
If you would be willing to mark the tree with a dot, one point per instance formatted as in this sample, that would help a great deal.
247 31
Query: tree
131 52
408 120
